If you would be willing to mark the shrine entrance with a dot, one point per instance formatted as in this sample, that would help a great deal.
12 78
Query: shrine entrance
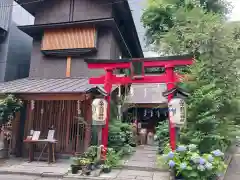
138 76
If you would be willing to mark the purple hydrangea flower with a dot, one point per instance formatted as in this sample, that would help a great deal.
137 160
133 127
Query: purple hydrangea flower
171 163
217 153
210 158
201 167
170 155
202 161
181 148
183 166
208 166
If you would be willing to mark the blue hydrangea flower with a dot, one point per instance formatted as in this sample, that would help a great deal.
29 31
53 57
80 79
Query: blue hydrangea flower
195 159
208 166
201 167
181 148
192 147
210 158
183 166
170 155
217 153
171 163
202 161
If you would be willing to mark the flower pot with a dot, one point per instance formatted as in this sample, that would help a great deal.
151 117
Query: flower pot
75 169
88 173
92 166
107 169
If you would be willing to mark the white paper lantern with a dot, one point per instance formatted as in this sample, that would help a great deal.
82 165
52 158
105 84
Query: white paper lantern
99 111
177 111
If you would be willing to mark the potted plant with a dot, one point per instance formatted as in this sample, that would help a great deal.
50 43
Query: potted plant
187 163
106 168
84 161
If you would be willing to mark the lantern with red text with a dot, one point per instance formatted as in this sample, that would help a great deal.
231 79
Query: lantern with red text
99 111
177 111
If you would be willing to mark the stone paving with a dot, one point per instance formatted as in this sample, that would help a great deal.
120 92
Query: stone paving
19 166
143 159
233 172
135 174
141 166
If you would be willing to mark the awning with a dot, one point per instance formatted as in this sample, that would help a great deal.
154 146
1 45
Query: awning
147 94
38 85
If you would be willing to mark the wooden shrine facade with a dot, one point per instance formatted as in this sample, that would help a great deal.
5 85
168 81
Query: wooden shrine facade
60 111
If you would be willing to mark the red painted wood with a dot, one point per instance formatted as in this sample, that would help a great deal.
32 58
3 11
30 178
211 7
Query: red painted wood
170 62
109 65
146 63
170 85
108 88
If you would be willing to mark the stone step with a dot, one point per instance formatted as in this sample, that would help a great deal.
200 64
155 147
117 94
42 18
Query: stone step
143 166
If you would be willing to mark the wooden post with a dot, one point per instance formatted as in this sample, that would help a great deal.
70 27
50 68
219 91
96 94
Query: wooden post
68 67
170 85
107 87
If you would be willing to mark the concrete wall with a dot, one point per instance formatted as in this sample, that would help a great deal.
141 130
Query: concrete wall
56 11
15 51
18 55
55 67
5 13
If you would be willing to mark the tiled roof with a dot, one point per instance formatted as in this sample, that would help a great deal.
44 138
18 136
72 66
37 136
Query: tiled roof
147 94
37 85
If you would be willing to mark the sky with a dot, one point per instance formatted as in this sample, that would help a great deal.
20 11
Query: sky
235 15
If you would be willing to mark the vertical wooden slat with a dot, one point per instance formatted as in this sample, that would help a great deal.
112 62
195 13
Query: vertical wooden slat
68 67
62 115
68 124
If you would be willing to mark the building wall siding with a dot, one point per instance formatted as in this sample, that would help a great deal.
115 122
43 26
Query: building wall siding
18 54
56 11
5 13
55 67
91 9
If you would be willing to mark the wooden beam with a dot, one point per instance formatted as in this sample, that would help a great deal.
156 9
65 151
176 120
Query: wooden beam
150 105
52 97
68 67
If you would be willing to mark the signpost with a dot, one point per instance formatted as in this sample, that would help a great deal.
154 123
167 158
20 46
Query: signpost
138 75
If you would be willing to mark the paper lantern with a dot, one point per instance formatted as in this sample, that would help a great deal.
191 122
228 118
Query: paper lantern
99 111
177 111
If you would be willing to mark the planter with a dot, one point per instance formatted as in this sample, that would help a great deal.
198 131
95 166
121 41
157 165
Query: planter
107 169
4 153
88 173
179 177
75 169
92 166
176 177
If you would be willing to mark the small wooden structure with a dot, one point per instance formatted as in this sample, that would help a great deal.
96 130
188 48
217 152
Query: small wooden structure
57 103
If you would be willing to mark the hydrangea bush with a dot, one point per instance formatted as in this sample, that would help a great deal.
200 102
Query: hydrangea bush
188 163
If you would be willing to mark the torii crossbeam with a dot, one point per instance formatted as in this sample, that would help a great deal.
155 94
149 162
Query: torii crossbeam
169 77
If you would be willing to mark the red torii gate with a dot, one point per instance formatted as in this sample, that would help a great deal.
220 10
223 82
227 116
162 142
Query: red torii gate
169 77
